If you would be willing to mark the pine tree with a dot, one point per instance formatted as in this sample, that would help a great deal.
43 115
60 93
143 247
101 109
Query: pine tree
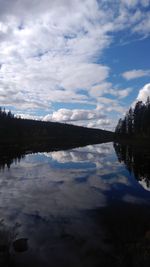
136 122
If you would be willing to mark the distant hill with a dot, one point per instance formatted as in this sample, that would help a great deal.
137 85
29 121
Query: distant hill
39 135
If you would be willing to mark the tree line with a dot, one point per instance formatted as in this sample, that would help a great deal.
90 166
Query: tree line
136 122
6 114
39 135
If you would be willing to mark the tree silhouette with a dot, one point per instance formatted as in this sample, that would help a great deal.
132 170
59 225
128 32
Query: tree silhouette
136 121
136 161
5 115
34 135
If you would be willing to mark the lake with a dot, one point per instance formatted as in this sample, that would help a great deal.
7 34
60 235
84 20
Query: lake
86 206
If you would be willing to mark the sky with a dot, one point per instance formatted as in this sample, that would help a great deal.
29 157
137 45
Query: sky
83 62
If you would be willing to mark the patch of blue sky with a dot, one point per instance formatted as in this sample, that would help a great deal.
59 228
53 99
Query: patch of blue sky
40 54
114 115
8 107
71 165
124 57
21 26
135 85
128 101
132 55
110 96
83 92
33 112
41 112
70 36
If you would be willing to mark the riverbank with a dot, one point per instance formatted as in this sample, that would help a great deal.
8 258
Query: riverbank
136 142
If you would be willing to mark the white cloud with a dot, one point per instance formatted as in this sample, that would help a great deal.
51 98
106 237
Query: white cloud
88 153
66 115
106 88
100 123
133 74
121 93
143 27
28 116
144 93
51 50
134 3
130 3
48 58
88 118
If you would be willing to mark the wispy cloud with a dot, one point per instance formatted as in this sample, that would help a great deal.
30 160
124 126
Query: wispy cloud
134 74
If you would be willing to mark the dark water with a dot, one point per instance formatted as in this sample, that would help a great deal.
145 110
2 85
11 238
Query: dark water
81 207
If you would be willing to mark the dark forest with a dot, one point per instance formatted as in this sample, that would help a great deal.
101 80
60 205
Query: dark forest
42 136
136 122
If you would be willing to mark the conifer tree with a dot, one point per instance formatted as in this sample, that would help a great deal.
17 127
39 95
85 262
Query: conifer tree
136 121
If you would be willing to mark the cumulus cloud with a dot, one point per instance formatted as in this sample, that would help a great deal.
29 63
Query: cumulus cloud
144 93
86 118
94 154
65 115
133 74
95 118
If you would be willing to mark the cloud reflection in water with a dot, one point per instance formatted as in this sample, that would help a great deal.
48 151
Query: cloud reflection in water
50 195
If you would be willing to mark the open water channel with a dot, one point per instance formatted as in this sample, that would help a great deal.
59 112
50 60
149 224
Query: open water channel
86 206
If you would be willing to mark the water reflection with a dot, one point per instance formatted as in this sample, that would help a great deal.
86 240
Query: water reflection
8 157
85 154
10 244
136 161
67 203
89 155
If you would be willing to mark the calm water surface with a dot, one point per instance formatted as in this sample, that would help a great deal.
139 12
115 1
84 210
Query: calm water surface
80 207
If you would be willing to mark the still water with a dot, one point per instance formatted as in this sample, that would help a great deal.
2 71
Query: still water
81 207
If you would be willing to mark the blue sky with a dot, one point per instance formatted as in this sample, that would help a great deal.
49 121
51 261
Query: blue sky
82 62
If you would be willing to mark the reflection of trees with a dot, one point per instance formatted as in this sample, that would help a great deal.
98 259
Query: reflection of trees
91 153
128 233
9 156
136 161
